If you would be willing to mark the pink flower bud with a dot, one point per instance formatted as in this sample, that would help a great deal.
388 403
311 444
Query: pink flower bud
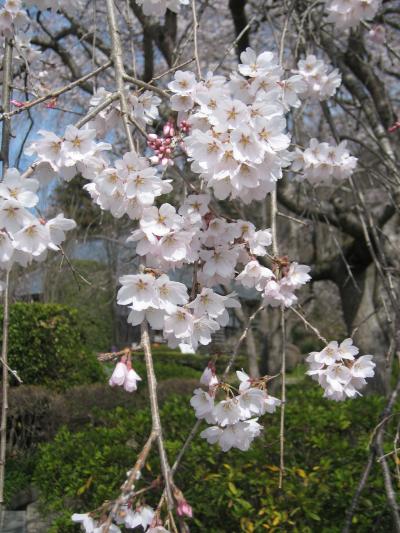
184 509
377 34
17 103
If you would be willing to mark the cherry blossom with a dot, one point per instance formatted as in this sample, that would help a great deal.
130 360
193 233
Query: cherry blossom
322 163
320 80
338 371
124 375
349 13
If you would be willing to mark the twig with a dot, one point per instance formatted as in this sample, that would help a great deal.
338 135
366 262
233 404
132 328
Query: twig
274 211
129 485
235 42
11 371
144 85
116 51
307 323
195 28
172 69
4 405
293 219
283 402
6 97
5 153
373 452
96 110
387 478
155 413
240 340
55 93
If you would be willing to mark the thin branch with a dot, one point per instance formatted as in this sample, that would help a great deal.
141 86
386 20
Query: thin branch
155 413
283 402
116 51
96 110
373 452
148 86
55 93
240 340
307 323
196 47
128 487
6 97
4 405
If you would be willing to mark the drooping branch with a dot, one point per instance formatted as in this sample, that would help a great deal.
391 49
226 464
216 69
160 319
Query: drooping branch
155 413
5 385
117 58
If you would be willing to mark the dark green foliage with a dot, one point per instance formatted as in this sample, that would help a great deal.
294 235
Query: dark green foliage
18 475
326 448
47 346
164 355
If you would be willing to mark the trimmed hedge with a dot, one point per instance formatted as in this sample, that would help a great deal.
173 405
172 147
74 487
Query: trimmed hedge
326 449
47 346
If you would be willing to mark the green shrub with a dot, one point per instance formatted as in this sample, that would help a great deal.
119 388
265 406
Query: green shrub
326 449
47 346
164 355
19 471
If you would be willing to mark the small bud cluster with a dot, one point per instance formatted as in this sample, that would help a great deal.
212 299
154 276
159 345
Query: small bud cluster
337 370
164 147
234 419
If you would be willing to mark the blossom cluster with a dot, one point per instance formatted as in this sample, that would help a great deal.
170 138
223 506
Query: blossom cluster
349 13
159 7
143 109
322 162
165 305
25 237
168 239
238 141
233 420
12 17
278 287
73 153
124 375
338 371
321 81
142 515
